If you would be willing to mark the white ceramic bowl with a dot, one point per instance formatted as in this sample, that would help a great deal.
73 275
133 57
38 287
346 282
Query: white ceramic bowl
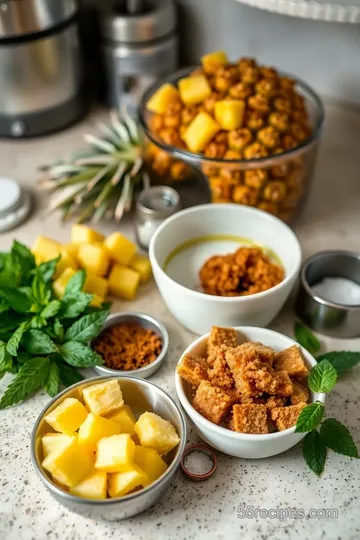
242 444
198 311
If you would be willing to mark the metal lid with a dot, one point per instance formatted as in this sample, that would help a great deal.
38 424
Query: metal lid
22 17
158 202
136 21
14 204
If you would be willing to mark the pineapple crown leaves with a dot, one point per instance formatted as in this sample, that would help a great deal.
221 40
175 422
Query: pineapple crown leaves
101 181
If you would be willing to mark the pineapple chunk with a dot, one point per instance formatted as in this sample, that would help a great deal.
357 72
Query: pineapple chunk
120 248
125 419
200 132
141 264
103 397
155 432
46 248
123 281
213 60
59 285
122 483
162 98
93 486
230 113
66 261
93 429
67 417
97 301
150 462
115 453
72 249
94 259
96 285
69 465
80 234
194 89
52 442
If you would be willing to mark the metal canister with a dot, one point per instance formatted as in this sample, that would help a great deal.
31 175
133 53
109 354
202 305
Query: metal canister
139 44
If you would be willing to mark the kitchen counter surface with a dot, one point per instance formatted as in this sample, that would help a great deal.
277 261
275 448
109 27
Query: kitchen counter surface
215 508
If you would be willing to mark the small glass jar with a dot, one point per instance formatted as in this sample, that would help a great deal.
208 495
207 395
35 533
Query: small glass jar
153 206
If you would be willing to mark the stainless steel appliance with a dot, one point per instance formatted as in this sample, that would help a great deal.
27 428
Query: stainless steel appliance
41 72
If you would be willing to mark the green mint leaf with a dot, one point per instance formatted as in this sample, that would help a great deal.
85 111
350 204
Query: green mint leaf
5 358
310 417
74 285
69 375
38 322
79 355
75 306
47 269
51 309
306 338
10 271
87 327
14 341
341 360
17 299
24 257
40 290
4 306
337 437
37 342
30 377
314 451
59 330
23 357
322 377
52 383
10 321
2 374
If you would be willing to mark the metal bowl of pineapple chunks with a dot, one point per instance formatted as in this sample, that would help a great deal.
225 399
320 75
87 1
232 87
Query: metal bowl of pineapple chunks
108 448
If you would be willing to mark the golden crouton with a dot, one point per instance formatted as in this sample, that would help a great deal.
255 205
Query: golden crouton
212 402
285 417
249 418
193 369
291 360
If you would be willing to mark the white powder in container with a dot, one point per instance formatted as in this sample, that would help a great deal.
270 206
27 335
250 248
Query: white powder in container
338 290
197 462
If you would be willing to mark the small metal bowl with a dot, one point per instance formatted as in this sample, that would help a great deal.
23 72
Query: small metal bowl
141 396
330 318
146 321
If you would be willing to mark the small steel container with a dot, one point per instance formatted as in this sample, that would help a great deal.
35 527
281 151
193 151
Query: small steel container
330 318
141 396
146 321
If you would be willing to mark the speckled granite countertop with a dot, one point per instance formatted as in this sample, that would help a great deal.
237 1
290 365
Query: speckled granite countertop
210 509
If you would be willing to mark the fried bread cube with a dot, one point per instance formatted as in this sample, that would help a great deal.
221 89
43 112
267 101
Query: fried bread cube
275 401
53 442
266 354
286 417
150 462
156 432
291 360
277 383
93 429
122 483
103 398
220 373
244 363
115 453
69 465
93 486
125 418
300 394
220 337
249 418
193 369
67 417
212 402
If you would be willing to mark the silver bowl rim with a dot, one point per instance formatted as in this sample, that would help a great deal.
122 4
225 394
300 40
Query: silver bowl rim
317 297
104 502
140 316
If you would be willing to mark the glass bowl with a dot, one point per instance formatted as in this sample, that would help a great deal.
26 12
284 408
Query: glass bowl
278 184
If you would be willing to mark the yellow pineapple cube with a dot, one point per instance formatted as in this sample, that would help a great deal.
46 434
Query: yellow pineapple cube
162 98
122 483
53 442
80 234
69 465
120 248
72 249
123 281
211 61
96 285
38 258
94 259
46 248
141 264
194 89
230 113
66 261
125 418
97 301
93 429
93 486
103 398
68 416
150 462
59 285
155 432
200 132
115 453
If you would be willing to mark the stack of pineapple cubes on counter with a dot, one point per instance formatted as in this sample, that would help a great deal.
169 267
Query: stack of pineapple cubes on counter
98 448
112 264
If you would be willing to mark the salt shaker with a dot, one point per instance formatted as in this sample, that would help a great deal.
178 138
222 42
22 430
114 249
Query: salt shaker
153 206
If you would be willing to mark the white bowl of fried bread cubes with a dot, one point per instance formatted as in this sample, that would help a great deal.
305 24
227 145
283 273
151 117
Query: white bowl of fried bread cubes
243 388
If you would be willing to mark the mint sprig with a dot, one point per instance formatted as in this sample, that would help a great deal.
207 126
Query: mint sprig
314 452
306 338
310 417
322 377
337 437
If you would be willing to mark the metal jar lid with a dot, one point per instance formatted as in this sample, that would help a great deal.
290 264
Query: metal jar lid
158 202
138 21
15 204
